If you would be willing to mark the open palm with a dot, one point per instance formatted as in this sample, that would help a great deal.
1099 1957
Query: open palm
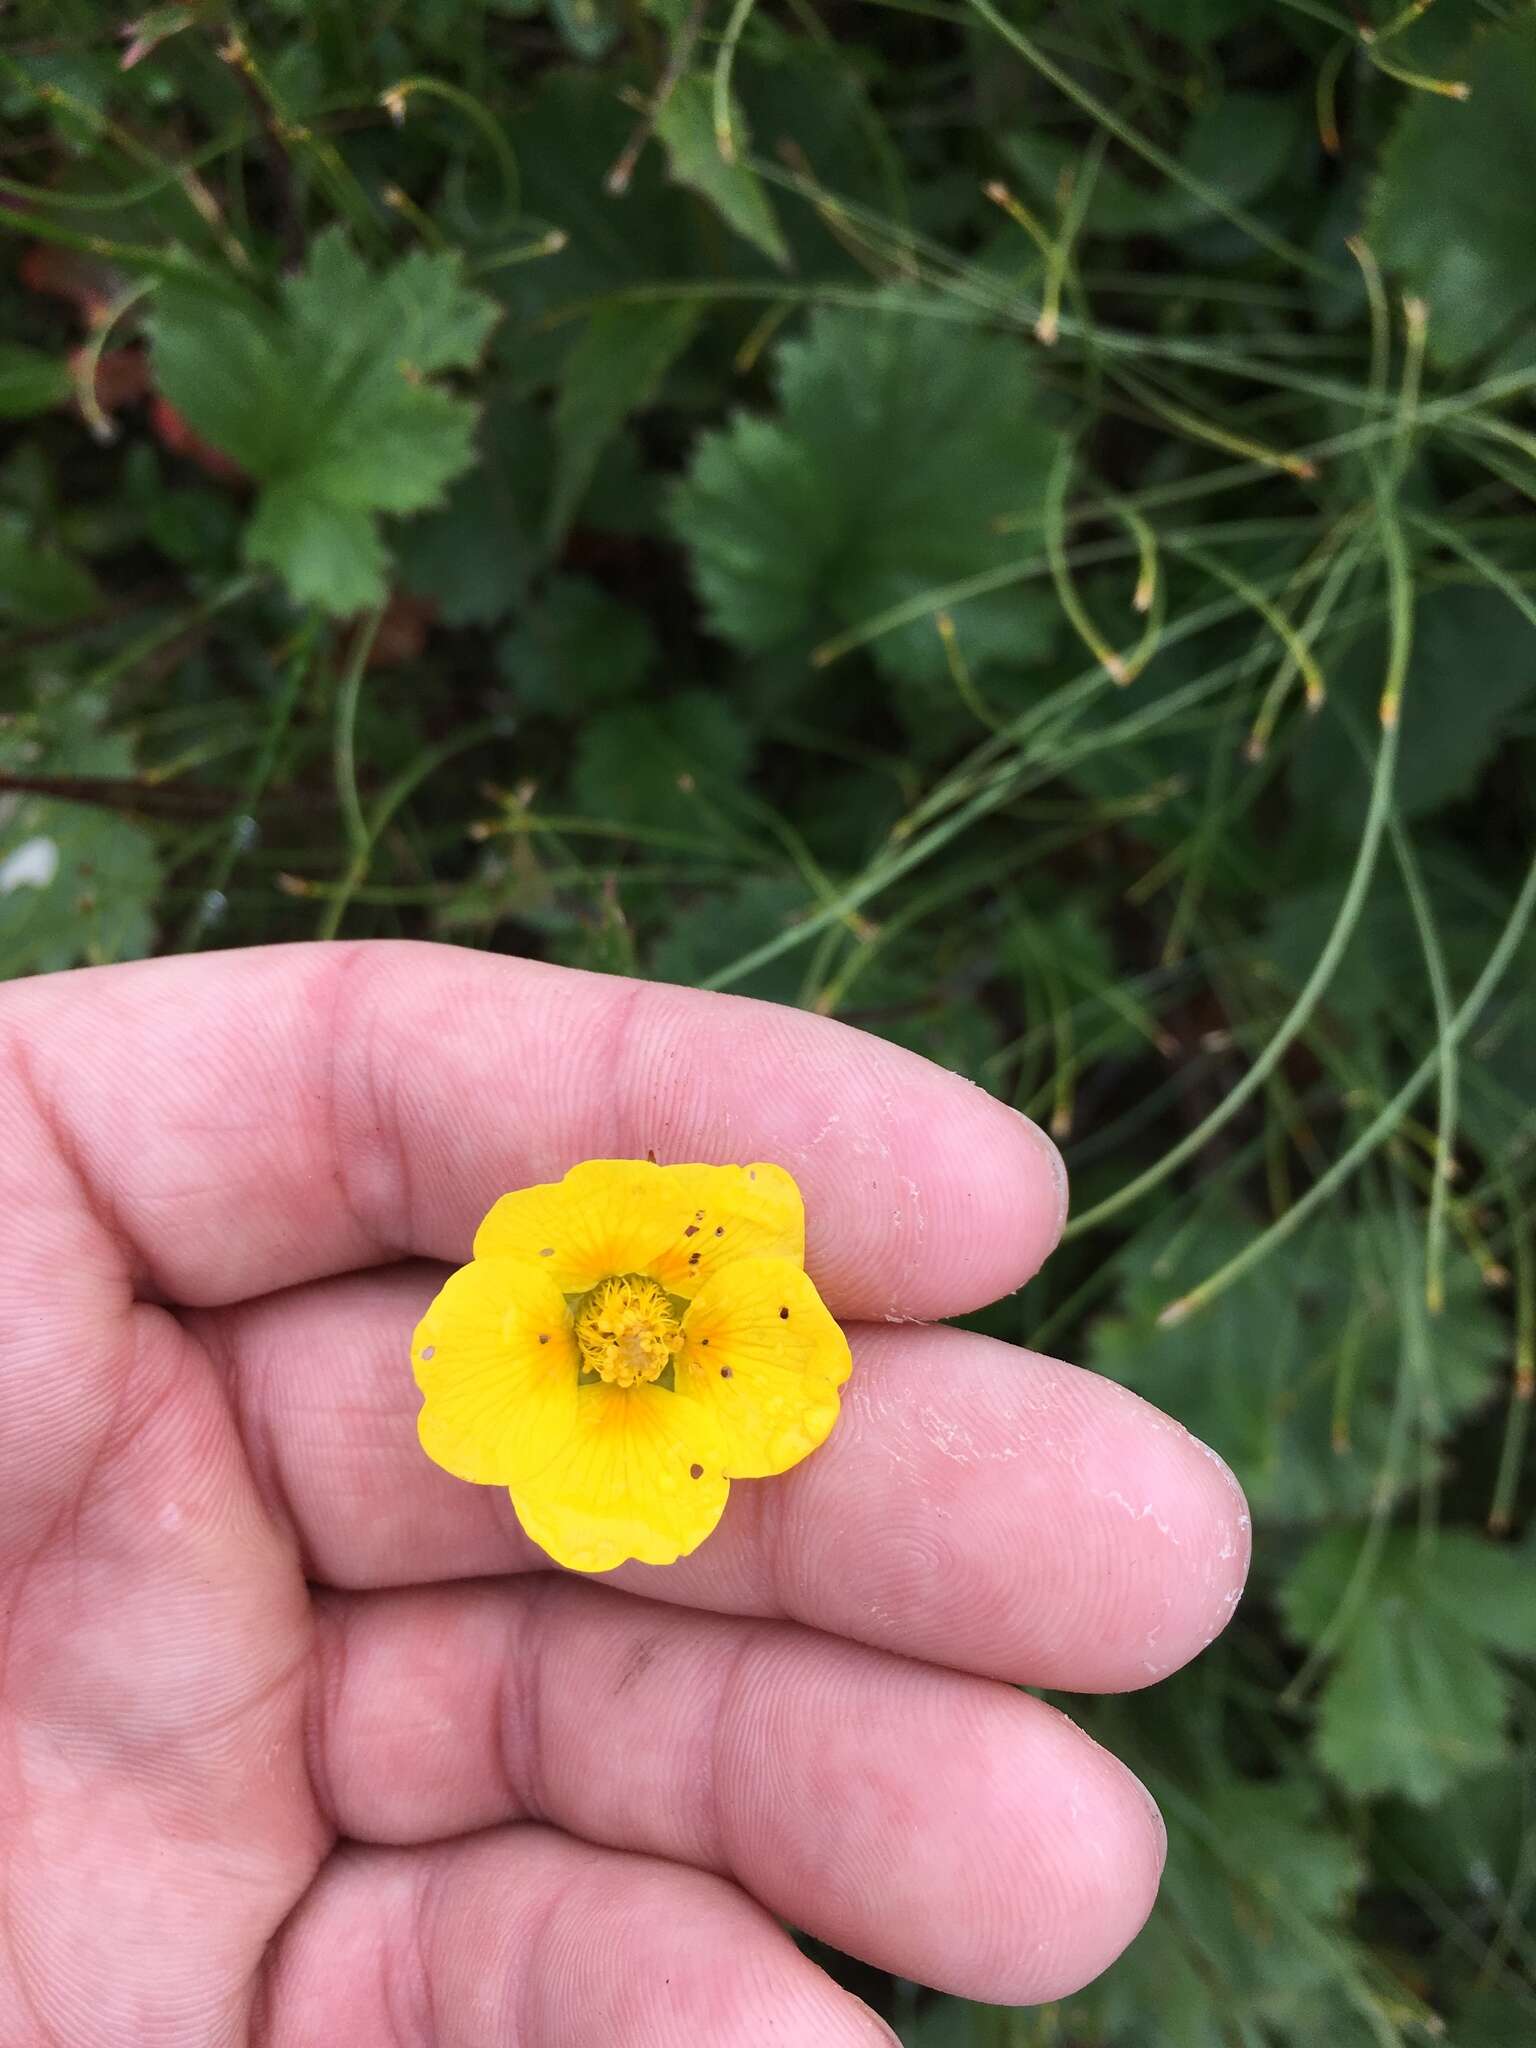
302 1742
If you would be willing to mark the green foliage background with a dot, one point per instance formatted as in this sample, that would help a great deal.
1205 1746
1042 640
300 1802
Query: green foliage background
935 546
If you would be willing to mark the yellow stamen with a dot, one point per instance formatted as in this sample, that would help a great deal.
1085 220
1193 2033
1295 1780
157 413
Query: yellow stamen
627 1330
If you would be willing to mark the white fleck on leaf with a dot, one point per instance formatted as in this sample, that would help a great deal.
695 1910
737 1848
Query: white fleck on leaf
32 865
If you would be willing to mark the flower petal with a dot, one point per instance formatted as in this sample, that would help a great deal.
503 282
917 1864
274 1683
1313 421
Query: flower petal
760 1347
680 1223
496 1358
720 1214
603 1218
639 1477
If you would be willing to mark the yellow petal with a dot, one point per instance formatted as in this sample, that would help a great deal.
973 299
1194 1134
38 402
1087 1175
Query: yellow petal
762 1350
603 1218
720 1214
497 1360
679 1223
639 1477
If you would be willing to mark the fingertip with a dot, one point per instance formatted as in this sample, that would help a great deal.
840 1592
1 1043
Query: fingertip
1097 1829
983 1200
1207 1539
1162 1527
1111 1861
1059 1876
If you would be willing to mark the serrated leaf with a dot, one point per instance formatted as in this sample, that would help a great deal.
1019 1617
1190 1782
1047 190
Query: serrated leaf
900 444
640 764
474 556
686 125
576 649
1414 1701
1254 1894
614 369
330 555
395 457
1451 210
327 403
717 928
30 381
222 367
1473 668
77 883
567 139
1469 1844
1304 1443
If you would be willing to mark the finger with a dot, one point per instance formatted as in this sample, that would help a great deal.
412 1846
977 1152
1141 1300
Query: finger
975 1504
242 1121
942 1827
524 1939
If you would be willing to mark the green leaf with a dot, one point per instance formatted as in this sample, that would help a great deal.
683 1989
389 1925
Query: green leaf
567 140
31 382
396 457
647 764
1470 1843
1414 1701
1473 670
1492 2016
1197 23
575 650
1243 142
39 586
223 367
686 125
474 556
901 443
948 2023
77 883
1253 1897
1294 1380
327 403
615 368
330 555
589 27
1452 206
717 928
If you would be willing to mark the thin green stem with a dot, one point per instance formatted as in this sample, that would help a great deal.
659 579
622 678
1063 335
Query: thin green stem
725 58
404 786
1350 907
1106 117
1522 1393
236 837
344 745
1380 1127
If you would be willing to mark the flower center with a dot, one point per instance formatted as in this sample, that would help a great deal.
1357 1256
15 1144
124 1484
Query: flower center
627 1330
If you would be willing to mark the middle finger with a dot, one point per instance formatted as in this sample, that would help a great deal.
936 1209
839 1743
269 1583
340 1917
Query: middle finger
976 1505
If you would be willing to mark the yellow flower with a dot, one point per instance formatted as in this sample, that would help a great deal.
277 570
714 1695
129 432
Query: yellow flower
623 1345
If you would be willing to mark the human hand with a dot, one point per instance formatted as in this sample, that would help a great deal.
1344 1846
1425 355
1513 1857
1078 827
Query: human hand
303 1745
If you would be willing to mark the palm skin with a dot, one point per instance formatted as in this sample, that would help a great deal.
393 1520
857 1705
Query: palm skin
302 1742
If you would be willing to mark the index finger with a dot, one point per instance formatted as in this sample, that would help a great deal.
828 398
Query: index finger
243 1121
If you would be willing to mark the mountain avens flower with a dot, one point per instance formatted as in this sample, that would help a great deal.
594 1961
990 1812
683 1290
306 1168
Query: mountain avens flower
625 1343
